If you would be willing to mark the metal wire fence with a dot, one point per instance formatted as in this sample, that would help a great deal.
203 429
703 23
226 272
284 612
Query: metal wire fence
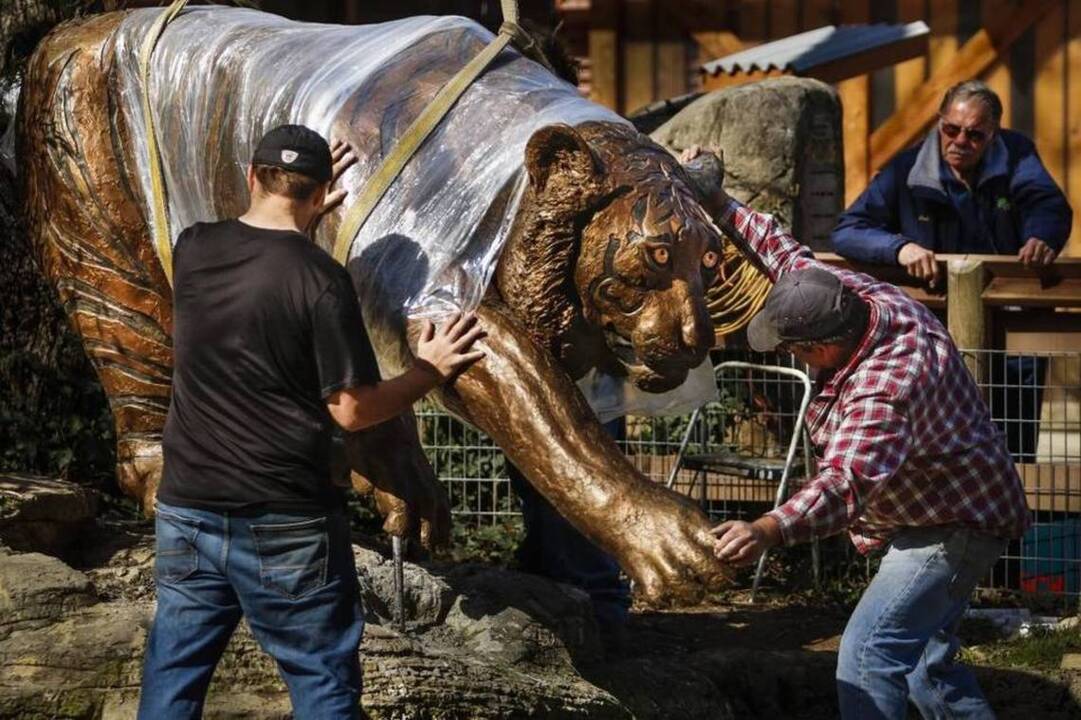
1034 398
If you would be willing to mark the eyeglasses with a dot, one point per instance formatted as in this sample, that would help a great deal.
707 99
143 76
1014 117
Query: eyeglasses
952 131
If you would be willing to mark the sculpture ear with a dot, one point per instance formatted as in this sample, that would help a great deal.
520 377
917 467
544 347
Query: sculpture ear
558 148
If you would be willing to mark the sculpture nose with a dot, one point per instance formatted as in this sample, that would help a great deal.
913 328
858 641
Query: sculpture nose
697 328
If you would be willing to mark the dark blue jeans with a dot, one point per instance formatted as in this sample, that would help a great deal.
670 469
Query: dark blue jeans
291 576
1015 398
552 548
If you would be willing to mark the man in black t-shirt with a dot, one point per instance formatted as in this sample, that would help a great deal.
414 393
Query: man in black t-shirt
269 352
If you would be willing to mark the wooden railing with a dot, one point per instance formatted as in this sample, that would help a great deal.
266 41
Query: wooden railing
973 289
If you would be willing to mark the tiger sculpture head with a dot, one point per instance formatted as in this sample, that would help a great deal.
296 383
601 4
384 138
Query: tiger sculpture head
612 256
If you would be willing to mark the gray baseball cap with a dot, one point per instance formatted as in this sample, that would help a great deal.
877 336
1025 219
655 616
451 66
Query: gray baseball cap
804 305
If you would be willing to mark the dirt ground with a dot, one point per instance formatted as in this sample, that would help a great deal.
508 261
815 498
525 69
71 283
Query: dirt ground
771 659
810 636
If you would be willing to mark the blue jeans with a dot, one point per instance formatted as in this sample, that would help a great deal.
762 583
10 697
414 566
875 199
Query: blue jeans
1015 397
552 548
900 642
291 576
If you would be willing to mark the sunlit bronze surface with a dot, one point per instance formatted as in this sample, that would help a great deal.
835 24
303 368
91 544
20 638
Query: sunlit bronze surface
607 266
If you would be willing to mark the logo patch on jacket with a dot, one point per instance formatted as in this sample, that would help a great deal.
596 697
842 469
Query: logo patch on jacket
1003 203
923 218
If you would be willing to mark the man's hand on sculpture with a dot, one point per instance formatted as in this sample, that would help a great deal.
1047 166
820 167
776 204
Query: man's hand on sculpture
343 156
1036 253
706 168
919 262
742 543
447 350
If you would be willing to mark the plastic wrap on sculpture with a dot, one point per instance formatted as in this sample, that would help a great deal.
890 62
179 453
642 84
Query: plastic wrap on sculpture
221 77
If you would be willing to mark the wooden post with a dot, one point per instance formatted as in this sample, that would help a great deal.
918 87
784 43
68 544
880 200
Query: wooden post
1050 92
998 77
604 53
671 70
638 55
1073 120
783 18
855 95
943 22
965 317
910 74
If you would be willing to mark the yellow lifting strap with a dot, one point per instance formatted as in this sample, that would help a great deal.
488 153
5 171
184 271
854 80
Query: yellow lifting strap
424 124
160 227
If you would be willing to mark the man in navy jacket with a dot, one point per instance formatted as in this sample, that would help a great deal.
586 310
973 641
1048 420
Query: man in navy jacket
970 187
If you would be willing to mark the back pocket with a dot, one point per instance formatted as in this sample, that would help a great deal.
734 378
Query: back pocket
176 557
292 556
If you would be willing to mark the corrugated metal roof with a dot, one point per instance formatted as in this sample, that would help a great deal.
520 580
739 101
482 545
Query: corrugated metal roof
800 53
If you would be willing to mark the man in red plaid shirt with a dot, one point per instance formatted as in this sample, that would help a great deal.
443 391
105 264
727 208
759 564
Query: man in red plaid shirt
909 463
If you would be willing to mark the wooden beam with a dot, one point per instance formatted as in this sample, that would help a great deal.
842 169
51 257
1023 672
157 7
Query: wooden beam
717 44
855 95
1031 292
638 65
910 121
943 23
1050 92
783 18
707 23
909 74
1073 119
817 13
672 70
998 75
753 28
604 53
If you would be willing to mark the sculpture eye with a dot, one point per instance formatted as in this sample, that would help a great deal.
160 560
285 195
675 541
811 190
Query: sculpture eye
660 255
710 259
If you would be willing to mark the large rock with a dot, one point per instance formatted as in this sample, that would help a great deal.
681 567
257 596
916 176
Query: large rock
37 590
426 598
488 643
783 152
43 515
71 643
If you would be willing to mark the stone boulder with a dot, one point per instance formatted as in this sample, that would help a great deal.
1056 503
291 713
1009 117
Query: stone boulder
37 590
783 150
483 642
71 642
39 514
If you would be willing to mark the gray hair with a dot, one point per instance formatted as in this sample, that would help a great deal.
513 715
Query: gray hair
973 89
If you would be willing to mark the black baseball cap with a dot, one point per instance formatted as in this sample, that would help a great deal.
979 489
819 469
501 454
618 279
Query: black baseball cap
805 305
296 148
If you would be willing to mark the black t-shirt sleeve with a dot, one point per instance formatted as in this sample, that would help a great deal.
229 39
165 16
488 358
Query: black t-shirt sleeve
343 353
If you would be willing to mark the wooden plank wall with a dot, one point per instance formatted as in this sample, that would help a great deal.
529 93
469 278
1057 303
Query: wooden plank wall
645 50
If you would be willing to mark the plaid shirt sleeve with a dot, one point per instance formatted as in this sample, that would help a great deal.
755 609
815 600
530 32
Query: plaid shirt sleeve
871 443
763 237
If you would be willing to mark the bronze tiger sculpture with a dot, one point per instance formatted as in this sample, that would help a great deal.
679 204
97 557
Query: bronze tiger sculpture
606 261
